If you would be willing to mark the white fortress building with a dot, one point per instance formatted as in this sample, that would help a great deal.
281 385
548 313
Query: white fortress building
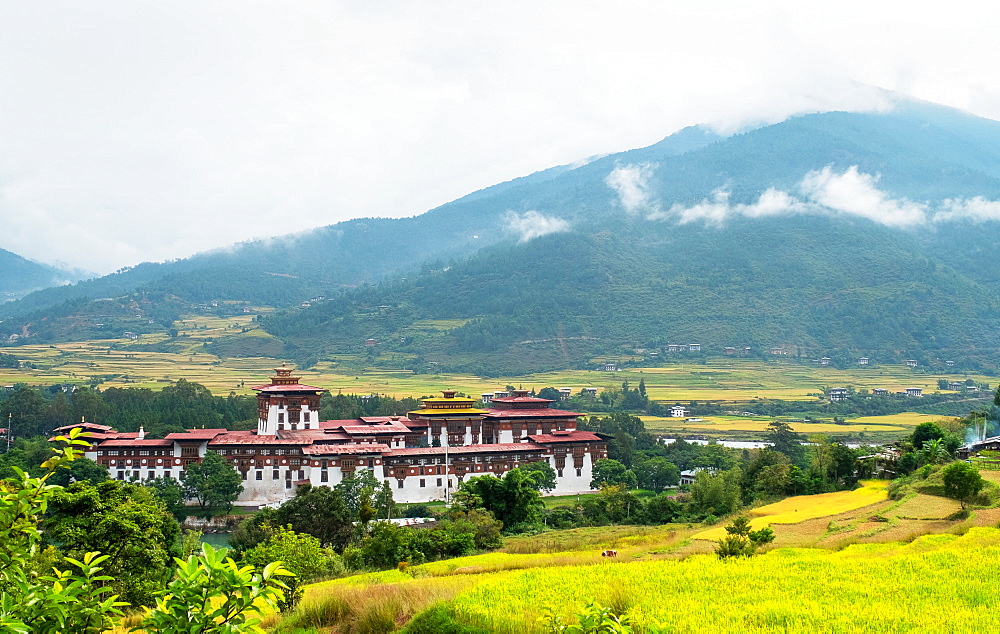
420 455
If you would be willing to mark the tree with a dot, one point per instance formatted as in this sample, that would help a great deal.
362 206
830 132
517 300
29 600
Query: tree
320 512
80 470
962 481
76 599
213 482
783 439
171 493
542 473
212 594
656 474
125 520
301 554
716 493
741 541
357 490
512 499
608 471
925 432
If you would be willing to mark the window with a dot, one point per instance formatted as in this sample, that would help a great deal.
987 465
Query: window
281 418
439 482
423 483
121 475
222 452
293 462
260 475
559 473
302 474
399 484
113 452
167 475
150 475
135 475
324 476
275 475
347 463
579 472
251 451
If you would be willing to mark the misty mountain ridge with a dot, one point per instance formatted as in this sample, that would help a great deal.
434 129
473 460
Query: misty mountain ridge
20 276
834 231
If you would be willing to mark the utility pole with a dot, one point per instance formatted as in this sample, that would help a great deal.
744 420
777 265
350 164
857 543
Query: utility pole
10 431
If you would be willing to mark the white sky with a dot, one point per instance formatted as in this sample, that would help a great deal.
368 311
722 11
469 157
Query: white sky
146 130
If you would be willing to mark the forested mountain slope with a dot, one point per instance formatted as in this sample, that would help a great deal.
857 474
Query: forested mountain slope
829 233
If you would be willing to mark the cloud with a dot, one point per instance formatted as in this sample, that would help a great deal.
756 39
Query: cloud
977 209
632 184
531 225
854 193
825 192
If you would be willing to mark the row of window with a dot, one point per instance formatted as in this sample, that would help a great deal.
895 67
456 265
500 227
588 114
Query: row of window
250 451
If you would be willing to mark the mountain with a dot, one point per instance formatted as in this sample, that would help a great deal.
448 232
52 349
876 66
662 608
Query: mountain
833 234
20 276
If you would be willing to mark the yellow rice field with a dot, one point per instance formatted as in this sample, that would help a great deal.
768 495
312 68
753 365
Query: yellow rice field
938 583
806 507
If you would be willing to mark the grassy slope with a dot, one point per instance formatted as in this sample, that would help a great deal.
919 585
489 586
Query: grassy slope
841 570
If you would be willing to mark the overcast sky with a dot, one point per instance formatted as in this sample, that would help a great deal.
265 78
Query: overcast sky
135 130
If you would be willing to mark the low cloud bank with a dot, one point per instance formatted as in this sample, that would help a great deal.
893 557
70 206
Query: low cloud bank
824 191
532 224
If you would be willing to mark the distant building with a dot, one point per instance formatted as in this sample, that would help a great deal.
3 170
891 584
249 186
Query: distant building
487 397
694 347
420 456
880 391
129 335
950 364
957 386
590 391
678 411
911 363
673 347
779 351
565 393
825 361
610 367
915 392
729 350
370 342
837 394
863 361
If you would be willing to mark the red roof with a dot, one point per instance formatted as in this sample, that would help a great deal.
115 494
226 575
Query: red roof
84 425
135 442
535 413
423 451
566 436
250 438
331 450
295 387
197 434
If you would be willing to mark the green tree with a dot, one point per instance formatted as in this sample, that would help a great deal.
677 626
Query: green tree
786 441
740 541
962 481
212 594
512 499
716 493
924 433
301 554
320 512
76 599
656 474
128 522
171 493
608 471
542 474
213 482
